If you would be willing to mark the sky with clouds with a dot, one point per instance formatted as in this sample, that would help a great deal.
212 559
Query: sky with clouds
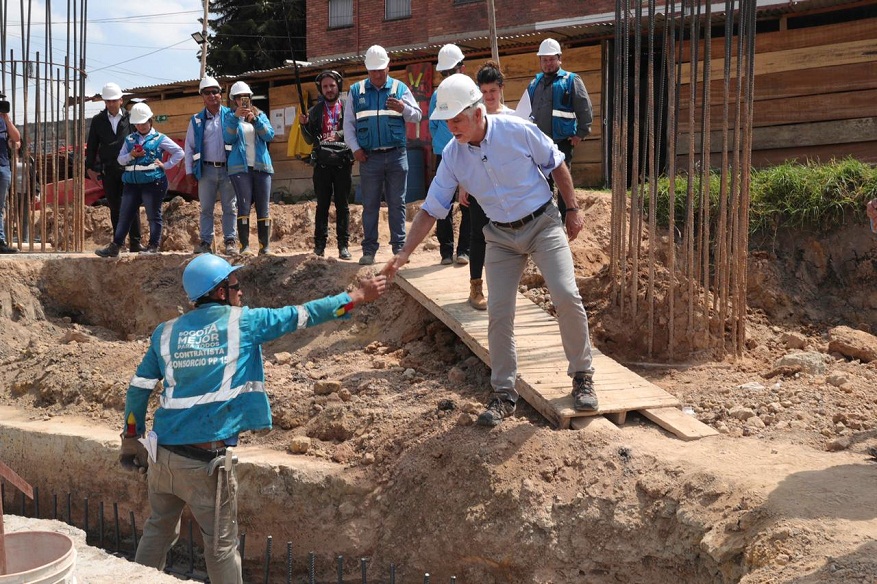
133 44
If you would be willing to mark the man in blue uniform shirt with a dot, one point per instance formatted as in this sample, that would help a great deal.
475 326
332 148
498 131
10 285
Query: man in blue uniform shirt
503 161
209 362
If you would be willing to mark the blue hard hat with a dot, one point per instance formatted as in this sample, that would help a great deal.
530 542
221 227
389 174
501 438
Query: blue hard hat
204 273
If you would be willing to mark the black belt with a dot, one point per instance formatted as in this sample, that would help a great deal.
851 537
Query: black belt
194 453
525 219
209 163
382 150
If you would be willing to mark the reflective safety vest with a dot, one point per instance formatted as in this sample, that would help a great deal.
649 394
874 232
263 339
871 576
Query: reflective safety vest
376 125
198 122
144 170
563 116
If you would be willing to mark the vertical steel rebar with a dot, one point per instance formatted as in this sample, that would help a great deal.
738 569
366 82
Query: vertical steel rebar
116 524
312 568
100 525
268 544
340 562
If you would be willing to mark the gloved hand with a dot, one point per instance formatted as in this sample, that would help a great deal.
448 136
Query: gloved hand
133 455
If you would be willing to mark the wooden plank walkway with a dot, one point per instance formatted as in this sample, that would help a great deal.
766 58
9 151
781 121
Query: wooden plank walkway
542 378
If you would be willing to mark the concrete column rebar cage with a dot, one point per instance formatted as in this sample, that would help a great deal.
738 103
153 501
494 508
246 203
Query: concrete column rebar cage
47 95
704 289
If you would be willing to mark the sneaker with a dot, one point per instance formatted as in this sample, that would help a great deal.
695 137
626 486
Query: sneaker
367 259
231 248
447 261
319 251
150 250
110 251
583 394
203 247
462 258
497 410
344 253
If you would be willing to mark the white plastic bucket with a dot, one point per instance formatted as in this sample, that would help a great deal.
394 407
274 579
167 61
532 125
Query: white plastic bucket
39 557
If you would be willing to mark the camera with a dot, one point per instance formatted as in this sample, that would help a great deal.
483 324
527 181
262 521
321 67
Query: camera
5 106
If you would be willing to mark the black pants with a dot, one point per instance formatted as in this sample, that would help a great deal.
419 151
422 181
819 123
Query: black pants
566 147
332 182
113 190
444 229
478 220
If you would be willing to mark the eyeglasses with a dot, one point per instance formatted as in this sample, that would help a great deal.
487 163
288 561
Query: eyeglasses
235 286
211 92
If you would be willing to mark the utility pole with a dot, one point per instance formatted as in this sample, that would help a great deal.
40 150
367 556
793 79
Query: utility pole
204 42
491 23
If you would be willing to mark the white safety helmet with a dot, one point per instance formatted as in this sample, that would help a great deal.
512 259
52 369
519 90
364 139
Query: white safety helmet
111 91
376 58
548 47
140 113
448 57
208 82
240 88
453 95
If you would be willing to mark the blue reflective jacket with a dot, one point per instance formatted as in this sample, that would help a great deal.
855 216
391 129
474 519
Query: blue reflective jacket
209 361
563 116
237 158
143 170
198 125
377 126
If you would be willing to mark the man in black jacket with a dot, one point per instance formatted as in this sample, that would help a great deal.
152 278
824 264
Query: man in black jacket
323 126
108 131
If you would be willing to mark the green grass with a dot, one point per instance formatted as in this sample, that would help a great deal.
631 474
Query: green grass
793 195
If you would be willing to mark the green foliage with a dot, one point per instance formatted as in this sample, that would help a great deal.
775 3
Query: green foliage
810 195
250 35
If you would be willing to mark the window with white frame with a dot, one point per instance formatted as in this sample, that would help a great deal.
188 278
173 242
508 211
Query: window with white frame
397 9
340 13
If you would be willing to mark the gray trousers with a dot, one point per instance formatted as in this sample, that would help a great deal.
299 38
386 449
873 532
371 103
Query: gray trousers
176 481
543 239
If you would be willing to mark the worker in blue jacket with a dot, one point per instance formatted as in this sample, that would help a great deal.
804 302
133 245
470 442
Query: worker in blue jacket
209 362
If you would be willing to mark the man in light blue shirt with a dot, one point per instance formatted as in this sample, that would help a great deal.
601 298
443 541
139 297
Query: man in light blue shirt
503 161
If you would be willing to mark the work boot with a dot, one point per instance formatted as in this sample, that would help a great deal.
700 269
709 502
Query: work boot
134 246
497 410
231 248
263 227
344 253
110 251
319 250
583 394
367 259
6 249
203 247
476 296
244 234
150 250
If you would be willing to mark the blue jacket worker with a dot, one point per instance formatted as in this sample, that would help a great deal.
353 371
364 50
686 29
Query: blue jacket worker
209 364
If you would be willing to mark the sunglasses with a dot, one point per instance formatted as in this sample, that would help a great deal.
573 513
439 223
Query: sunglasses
211 92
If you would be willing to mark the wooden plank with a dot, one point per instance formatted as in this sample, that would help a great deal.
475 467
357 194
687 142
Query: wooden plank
815 134
15 480
864 151
682 425
593 423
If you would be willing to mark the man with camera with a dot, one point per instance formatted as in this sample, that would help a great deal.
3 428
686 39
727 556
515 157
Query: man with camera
323 126
106 135
10 140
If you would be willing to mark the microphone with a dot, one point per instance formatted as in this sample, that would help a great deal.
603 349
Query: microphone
484 158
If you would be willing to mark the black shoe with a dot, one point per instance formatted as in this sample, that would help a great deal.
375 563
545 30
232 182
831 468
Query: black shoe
110 251
344 253
320 251
6 249
135 247
151 250
583 394
498 410
203 247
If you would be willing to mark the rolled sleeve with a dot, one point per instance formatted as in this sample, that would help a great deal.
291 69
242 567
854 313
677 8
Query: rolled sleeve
350 124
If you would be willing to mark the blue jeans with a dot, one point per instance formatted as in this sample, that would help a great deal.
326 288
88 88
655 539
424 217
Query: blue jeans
387 173
215 179
5 179
252 188
150 195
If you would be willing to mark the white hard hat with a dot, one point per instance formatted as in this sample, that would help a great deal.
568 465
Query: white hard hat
208 82
140 113
453 95
548 47
111 91
448 58
240 88
376 58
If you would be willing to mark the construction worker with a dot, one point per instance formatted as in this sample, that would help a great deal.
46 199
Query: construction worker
450 61
10 140
323 126
209 362
108 130
144 179
249 132
502 161
206 158
374 127
557 102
